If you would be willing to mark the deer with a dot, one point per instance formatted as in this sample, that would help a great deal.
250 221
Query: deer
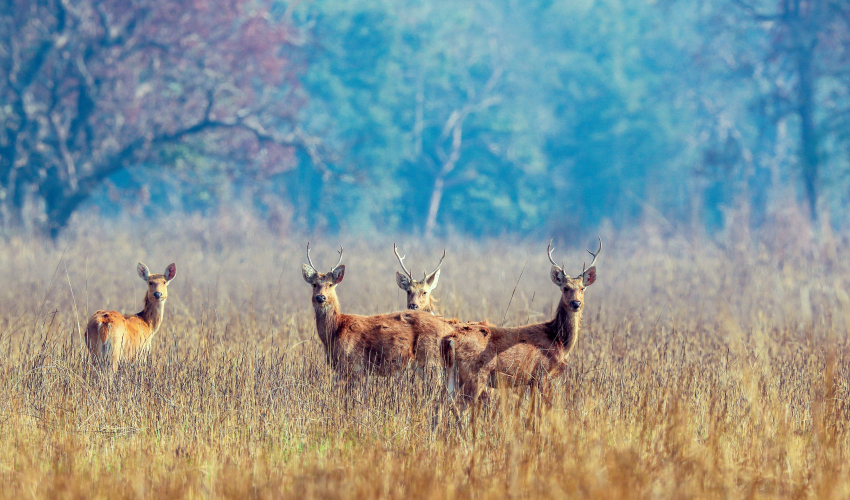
476 355
380 344
419 293
113 337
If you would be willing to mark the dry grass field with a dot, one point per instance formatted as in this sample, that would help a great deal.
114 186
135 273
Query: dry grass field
707 368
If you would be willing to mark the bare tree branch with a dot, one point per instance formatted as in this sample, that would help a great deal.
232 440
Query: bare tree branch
454 127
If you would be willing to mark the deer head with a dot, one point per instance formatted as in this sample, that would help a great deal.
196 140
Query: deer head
418 292
324 284
157 283
573 288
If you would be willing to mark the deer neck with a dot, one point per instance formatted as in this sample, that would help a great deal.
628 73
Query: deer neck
432 307
565 327
152 314
327 320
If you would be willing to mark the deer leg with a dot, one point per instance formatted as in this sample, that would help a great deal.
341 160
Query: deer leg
479 389
344 378
114 348
452 381
544 387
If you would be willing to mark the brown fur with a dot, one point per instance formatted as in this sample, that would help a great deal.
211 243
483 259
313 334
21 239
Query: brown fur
479 354
113 338
419 293
382 343
419 296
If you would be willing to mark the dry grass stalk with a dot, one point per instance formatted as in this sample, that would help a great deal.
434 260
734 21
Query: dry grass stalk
699 374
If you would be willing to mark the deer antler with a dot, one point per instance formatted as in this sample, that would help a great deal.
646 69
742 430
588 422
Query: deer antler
549 252
310 262
438 265
337 262
401 261
595 255
597 252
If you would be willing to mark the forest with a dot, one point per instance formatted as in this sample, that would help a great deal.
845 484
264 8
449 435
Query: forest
199 151
425 117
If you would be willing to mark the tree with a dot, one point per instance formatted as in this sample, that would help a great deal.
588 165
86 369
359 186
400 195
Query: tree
796 54
92 87
615 144
423 103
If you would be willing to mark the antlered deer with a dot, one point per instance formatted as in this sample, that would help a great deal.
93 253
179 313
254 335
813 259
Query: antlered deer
113 337
382 343
477 353
419 293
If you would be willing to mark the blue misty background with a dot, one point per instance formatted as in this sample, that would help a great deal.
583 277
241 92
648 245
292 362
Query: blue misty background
526 117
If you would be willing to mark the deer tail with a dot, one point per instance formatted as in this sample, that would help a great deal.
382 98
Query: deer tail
103 328
97 336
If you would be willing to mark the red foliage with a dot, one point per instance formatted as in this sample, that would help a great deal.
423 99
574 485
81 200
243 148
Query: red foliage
96 85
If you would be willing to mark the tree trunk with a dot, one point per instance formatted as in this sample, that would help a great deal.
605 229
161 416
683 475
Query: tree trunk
454 125
305 191
808 132
434 206
61 201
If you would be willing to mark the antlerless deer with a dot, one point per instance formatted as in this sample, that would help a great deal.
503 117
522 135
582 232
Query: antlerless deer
113 337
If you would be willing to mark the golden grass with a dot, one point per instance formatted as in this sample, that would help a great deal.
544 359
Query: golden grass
704 370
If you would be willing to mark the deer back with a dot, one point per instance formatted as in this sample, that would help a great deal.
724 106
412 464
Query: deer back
385 343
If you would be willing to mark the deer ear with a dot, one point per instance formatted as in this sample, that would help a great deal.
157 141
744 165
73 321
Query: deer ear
432 280
337 274
402 280
170 272
589 276
143 270
558 276
308 273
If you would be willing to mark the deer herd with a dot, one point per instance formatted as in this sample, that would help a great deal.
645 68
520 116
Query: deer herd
472 355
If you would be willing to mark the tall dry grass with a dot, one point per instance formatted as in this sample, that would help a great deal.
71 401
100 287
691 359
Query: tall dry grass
706 369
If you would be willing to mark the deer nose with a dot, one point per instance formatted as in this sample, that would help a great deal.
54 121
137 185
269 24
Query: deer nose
412 306
321 299
157 295
575 304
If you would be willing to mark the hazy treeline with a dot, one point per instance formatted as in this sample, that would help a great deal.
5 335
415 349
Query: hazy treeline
490 117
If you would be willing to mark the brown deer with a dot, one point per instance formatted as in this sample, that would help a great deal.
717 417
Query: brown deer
478 354
113 337
380 344
419 293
